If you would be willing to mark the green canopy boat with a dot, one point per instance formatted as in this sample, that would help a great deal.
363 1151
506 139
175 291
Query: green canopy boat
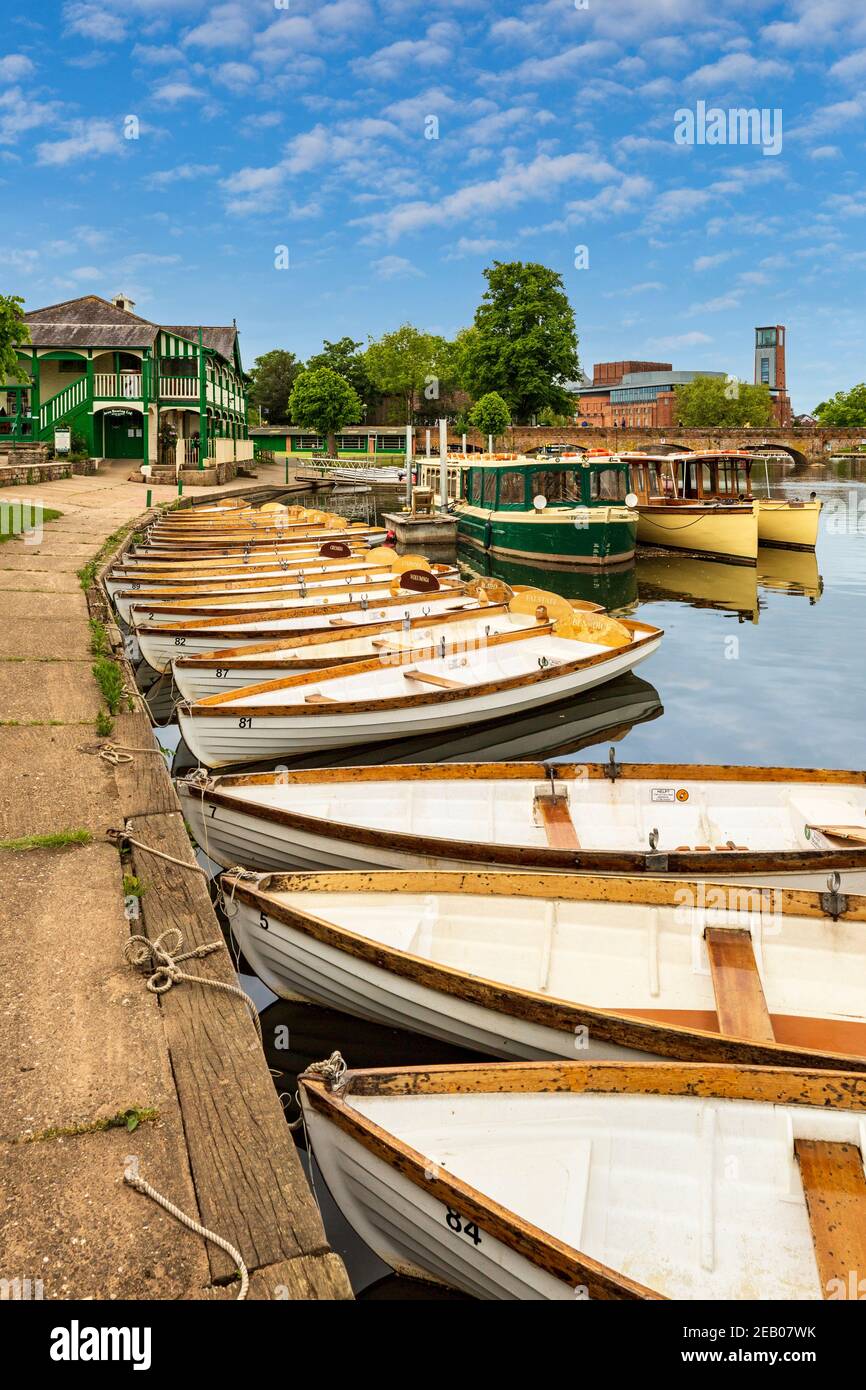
562 511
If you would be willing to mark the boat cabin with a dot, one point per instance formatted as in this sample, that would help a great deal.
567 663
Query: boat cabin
515 485
709 477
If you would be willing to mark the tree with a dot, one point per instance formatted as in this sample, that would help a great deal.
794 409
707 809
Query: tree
846 408
408 363
524 344
490 415
717 400
271 380
324 402
346 359
13 333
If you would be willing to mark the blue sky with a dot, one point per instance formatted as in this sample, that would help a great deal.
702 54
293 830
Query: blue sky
275 124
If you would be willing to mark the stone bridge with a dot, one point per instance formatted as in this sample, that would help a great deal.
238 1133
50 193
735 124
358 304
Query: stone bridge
805 446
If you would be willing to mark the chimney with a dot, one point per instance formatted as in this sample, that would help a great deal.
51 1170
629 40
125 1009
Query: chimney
123 301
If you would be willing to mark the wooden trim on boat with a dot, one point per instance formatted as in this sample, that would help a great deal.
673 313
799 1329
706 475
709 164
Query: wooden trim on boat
213 705
836 1090
664 1037
834 1185
328 612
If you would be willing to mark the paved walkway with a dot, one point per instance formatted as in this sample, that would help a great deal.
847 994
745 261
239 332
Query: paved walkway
81 1040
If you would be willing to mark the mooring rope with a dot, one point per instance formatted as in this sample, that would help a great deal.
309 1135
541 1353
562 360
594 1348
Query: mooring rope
141 1185
118 836
162 958
118 753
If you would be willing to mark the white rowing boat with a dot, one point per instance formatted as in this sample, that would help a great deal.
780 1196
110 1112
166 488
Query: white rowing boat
779 827
159 642
533 967
367 702
601 1180
232 668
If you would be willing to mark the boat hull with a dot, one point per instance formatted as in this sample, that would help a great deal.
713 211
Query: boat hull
574 536
790 525
730 533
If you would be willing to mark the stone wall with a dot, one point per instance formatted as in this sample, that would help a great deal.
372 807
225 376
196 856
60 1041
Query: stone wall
806 445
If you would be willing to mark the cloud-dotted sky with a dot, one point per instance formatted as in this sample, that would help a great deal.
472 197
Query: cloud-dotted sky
396 147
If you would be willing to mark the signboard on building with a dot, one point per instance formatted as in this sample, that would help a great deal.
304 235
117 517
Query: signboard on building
62 439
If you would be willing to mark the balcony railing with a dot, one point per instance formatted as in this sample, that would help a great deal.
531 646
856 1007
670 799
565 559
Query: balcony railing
121 386
179 388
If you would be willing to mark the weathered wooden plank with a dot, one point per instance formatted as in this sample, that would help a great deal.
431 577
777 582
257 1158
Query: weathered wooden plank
558 825
247 1174
835 1188
306 1278
143 786
740 1002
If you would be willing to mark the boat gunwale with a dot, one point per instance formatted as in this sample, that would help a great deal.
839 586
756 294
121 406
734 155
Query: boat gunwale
679 1042
204 624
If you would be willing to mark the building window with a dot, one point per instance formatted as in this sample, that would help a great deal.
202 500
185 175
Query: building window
301 442
74 368
765 371
389 444
351 441
186 367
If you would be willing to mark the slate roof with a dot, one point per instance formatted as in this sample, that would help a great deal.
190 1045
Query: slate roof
92 321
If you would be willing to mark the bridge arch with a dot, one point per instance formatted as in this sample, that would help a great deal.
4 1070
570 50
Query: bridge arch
775 447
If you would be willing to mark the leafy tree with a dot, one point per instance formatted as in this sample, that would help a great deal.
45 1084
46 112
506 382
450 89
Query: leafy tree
271 380
716 400
13 333
524 344
846 408
410 364
347 360
490 415
324 402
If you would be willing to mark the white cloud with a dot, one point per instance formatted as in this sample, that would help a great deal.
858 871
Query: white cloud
818 22
571 60
394 268
850 69
825 152
679 340
15 66
157 54
238 77
473 246
184 173
174 90
710 262
227 26
387 64
102 23
89 139
629 291
738 70
717 305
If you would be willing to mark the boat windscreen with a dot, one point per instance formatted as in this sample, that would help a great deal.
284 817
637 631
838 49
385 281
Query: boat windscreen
557 485
608 484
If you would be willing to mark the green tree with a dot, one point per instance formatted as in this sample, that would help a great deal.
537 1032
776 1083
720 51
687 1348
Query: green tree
324 402
846 408
524 344
13 333
410 364
716 400
490 415
346 358
271 380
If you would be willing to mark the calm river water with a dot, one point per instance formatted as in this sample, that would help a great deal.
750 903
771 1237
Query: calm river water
764 666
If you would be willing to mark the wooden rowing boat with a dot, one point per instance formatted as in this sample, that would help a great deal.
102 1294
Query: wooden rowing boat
232 668
331 557
366 702
532 966
779 827
788 522
159 642
601 1180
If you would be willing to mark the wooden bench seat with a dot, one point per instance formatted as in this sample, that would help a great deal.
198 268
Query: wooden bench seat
740 1004
429 678
835 1189
556 820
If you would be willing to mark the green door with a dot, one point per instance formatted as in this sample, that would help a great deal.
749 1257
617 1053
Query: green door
124 435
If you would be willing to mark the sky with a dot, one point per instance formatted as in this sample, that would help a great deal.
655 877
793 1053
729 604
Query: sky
315 170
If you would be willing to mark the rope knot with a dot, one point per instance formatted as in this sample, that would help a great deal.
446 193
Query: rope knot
333 1071
162 957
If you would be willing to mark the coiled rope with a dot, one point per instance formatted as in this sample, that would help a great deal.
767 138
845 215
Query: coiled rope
141 1185
162 957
